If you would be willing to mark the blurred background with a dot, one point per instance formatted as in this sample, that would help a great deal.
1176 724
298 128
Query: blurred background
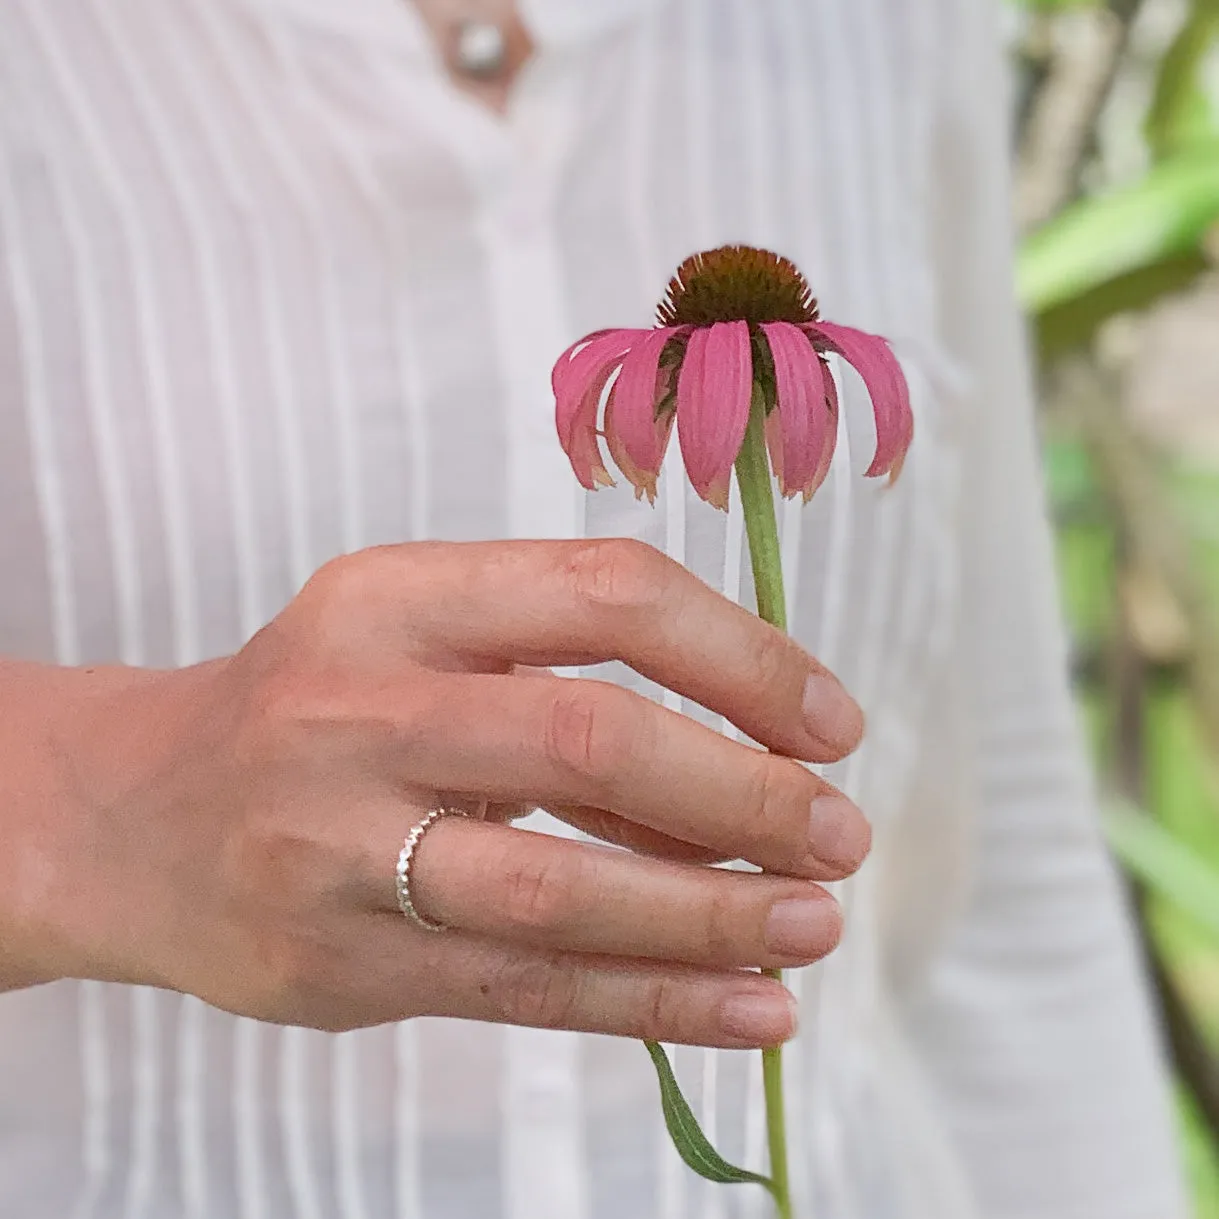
1117 197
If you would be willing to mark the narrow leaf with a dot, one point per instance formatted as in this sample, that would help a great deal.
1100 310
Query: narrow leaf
1073 323
1181 111
692 1144
1165 864
1163 215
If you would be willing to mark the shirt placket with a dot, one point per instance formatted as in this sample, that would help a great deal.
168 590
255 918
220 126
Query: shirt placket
515 167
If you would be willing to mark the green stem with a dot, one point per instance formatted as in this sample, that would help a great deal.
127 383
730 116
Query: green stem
776 1121
761 527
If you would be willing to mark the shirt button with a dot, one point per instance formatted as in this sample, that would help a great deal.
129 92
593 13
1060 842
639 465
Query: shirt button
480 50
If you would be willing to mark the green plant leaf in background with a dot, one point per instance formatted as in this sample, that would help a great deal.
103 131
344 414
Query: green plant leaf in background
692 1144
1164 215
1168 867
1073 323
1121 250
1182 113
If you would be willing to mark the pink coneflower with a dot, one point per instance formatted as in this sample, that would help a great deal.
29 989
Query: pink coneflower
734 323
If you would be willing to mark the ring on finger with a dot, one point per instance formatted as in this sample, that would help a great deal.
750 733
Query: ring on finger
406 859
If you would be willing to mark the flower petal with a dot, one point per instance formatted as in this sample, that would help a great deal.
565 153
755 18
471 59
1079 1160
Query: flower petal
871 356
576 366
713 392
831 436
579 378
796 427
637 439
642 479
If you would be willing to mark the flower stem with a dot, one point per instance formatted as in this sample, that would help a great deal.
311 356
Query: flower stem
762 530
761 526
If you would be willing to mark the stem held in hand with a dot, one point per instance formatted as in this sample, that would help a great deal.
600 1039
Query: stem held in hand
761 528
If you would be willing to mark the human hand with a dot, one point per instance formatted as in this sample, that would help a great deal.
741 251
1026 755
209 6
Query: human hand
244 818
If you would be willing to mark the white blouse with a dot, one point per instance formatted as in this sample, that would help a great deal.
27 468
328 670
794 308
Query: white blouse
272 289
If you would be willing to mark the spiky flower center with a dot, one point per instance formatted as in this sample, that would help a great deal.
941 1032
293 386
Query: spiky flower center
736 283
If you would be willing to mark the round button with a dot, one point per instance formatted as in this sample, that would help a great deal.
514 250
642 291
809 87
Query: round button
481 49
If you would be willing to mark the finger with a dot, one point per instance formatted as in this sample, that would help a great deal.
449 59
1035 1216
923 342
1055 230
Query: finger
642 839
574 742
553 893
610 827
476 978
544 603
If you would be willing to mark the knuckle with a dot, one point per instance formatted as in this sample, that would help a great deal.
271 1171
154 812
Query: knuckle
344 592
772 661
572 724
342 580
586 734
665 1011
539 888
721 925
620 574
778 809
537 992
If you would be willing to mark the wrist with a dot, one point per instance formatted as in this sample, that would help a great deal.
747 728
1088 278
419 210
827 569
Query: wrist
74 741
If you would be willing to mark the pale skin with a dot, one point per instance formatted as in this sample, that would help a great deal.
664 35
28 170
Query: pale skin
230 830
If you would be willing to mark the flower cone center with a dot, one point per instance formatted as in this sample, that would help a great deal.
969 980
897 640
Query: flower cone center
736 283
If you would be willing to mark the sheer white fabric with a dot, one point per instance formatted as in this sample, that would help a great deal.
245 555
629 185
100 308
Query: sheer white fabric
270 289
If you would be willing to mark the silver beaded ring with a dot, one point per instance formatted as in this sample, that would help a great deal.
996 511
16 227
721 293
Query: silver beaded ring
405 859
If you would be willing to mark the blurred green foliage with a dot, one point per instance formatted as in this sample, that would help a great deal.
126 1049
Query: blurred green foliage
1160 218
1171 845
1120 247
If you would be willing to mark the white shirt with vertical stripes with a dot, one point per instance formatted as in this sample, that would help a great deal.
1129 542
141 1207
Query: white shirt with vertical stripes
271 289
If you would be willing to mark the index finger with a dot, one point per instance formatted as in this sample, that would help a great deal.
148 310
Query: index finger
585 602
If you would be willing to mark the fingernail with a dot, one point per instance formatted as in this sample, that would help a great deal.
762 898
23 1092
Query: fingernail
838 833
759 1018
830 713
803 928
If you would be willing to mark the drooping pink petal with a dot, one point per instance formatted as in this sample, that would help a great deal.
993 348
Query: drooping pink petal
637 439
578 378
581 444
871 356
643 480
713 391
796 427
579 362
831 435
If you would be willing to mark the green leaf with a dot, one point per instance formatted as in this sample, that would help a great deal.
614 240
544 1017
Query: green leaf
1073 323
1163 215
692 1144
1181 112
1165 864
